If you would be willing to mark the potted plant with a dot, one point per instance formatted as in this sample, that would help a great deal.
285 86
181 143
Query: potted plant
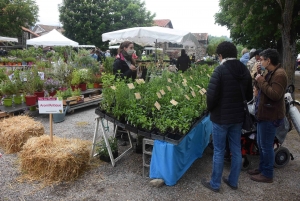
84 75
51 86
29 88
5 61
65 95
30 60
8 88
97 81
102 150
19 62
75 81
19 85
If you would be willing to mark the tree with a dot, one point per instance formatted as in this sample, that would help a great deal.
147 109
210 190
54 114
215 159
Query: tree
213 42
264 24
17 13
86 21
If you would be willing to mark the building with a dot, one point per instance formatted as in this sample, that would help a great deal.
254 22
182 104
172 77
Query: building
174 49
42 29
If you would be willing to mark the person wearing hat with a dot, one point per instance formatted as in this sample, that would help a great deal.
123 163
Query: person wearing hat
107 53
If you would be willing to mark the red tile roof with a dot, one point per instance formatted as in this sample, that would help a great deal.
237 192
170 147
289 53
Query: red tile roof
48 28
162 22
27 30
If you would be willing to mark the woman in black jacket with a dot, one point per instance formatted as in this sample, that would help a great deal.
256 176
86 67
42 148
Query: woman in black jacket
124 65
183 62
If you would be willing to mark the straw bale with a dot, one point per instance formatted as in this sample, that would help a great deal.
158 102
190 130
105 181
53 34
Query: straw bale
15 131
51 162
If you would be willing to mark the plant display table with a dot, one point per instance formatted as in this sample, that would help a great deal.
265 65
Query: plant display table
169 162
14 108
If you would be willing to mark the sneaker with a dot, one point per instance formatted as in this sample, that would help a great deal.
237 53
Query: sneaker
261 178
253 172
228 184
207 185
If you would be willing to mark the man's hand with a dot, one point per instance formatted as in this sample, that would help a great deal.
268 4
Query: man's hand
132 67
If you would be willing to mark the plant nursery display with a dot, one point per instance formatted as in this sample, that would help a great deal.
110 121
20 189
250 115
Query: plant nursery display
102 151
167 106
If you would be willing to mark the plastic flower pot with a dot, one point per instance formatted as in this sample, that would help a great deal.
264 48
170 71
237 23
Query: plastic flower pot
18 100
96 85
82 87
30 100
7 102
39 94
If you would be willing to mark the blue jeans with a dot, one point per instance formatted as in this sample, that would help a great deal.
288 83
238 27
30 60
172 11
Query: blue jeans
265 141
220 132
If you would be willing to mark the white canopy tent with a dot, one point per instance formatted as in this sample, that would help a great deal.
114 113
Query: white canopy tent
53 38
8 39
151 35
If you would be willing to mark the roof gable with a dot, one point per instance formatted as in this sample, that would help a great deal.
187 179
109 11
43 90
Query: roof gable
163 23
201 36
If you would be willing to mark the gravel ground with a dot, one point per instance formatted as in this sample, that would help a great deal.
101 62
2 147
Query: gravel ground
125 181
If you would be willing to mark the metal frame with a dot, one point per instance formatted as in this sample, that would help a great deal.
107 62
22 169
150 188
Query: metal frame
112 159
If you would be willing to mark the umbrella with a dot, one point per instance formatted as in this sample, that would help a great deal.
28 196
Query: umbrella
151 35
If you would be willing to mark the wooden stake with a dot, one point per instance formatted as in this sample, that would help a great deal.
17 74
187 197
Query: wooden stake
51 127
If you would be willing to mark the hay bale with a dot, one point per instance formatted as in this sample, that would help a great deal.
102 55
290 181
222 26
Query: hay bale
15 131
60 160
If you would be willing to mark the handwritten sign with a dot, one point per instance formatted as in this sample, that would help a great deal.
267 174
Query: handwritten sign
187 97
137 95
113 87
169 88
130 86
158 95
162 92
169 80
157 105
50 105
174 102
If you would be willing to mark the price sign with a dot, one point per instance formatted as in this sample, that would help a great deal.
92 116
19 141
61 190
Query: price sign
187 97
184 84
169 88
174 102
137 95
130 86
113 87
50 105
162 92
157 105
193 94
158 95
169 80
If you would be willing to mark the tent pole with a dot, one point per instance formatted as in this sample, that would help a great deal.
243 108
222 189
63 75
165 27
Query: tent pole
155 50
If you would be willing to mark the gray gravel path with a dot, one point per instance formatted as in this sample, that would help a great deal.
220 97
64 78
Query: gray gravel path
125 181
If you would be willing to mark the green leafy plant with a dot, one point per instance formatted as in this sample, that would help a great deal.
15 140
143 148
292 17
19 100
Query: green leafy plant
108 64
101 148
64 94
75 78
8 88
76 92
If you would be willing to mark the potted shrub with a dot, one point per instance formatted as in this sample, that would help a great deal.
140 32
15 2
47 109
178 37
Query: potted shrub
64 95
29 88
19 85
102 151
97 81
75 81
19 62
30 60
5 61
84 75
51 86
8 88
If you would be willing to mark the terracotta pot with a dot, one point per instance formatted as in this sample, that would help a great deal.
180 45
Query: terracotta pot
19 63
82 87
39 94
96 85
30 100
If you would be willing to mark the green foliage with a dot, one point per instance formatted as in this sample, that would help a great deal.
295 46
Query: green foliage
86 21
33 81
76 92
8 88
75 78
3 76
213 42
17 13
108 64
101 148
64 94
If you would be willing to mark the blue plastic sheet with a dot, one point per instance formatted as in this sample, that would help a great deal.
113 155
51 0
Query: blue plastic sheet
169 162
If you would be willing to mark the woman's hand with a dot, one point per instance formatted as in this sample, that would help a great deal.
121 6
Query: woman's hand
132 67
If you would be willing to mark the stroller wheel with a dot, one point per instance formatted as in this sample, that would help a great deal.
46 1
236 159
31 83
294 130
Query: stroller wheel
246 163
282 157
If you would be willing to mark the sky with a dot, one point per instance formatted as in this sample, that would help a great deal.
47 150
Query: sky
196 16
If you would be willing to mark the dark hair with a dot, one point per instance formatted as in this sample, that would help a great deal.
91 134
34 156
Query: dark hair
257 52
271 54
227 50
123 45
182 52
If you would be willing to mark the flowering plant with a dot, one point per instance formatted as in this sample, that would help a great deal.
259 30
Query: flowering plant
52 85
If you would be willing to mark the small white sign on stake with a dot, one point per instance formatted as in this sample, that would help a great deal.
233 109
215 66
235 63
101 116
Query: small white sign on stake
184 80
162 92
204 91
191 77
184 84
157 105
174 102
50 105
187 97
169 80
193 94
169 88
198 86
113 87
201 92
208 75
158 95
130 86
137 95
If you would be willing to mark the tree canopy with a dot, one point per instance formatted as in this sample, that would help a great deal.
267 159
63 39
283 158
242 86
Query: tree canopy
86 21
264 24
213 42
17 13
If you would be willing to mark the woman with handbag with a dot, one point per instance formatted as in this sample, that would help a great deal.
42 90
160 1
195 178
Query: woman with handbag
269 111
230 86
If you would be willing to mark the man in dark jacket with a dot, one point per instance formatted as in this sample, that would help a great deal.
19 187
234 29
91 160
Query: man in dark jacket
225 104
183 62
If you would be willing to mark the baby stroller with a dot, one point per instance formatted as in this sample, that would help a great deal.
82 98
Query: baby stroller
249 143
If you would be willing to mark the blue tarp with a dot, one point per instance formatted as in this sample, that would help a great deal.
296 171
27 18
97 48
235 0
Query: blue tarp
169 162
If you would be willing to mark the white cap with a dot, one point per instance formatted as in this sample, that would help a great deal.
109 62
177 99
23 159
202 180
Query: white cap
252 50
